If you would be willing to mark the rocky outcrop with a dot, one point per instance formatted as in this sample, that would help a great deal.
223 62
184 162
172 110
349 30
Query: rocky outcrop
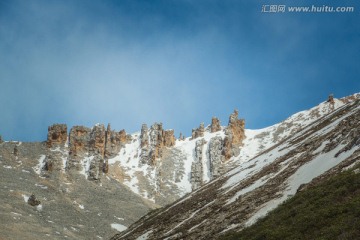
144 137
156 141
146 150
96 167
33 201
215 161
196 177
57 135
16 151
1 140
153 141
97 140
169 138
215 157
90 144
198 132
95 144
331 99
235 134
237 128
215 125
181 137
114 141
50 163
79 139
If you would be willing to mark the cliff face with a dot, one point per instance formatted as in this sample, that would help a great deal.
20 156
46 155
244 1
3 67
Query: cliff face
198 132
93 152
95 144
114 141
57 135
215 125
153 141
235 134
210 155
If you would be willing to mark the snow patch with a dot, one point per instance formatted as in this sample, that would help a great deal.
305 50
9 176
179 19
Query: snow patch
118 227
232 226
40 165
18 214
64 162
351 165
39 207
122 219
41 186
57 149
145 235
26 198
86 166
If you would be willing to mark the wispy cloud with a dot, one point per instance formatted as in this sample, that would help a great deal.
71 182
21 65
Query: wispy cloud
131 62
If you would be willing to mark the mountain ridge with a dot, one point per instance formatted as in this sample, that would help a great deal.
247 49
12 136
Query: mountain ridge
239 197
144 171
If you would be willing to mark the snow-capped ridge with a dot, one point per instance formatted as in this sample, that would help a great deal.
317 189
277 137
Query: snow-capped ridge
302 154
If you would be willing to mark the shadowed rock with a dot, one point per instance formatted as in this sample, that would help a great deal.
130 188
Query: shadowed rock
33 201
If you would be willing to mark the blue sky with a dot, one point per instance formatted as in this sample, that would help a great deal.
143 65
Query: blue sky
176 62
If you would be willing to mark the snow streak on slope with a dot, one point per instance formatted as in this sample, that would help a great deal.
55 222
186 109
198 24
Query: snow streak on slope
129 160
304 175
40 165
261 139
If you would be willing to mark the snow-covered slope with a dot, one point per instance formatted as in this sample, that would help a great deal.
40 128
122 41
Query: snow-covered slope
326 144
171 176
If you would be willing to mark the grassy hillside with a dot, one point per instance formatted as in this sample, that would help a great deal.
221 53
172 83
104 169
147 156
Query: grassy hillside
330 210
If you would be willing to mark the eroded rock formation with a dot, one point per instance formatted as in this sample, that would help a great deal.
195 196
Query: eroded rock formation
215 157
198 132
235 134
181 137
144 137
90 148
215 125
79 139
97 140
153 141
169 138
114 141
196 177
96 145
57 135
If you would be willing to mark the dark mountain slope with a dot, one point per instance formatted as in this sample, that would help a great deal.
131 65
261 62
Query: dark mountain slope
330 210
